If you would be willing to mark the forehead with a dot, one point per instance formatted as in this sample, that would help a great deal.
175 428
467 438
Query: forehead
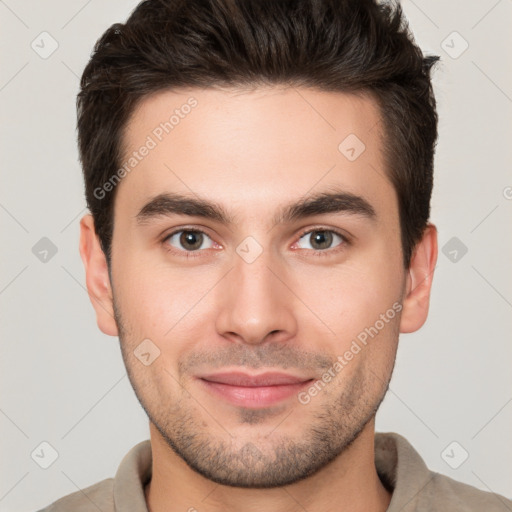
243 148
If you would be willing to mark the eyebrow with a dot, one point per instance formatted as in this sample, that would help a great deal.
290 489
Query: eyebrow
168 204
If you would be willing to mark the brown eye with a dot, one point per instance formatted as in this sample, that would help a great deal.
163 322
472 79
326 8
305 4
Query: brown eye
322 239
189 240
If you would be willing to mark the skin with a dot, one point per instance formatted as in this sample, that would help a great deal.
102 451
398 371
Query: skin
296 308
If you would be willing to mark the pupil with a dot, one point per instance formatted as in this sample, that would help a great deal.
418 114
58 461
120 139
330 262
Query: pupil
323 239
192 239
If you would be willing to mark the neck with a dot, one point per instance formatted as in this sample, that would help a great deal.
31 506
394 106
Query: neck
349 483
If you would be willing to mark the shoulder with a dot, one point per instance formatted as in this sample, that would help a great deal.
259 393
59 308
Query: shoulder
123 492
460 497
96 497
415 487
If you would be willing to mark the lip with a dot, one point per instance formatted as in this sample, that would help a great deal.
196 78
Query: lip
253 391
246 380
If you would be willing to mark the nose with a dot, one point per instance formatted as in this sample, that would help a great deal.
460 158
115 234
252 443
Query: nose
256 303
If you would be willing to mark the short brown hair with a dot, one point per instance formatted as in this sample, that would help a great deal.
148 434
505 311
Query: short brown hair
358 46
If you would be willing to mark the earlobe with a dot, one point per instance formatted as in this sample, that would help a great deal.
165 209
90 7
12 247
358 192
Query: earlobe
96 276
419 282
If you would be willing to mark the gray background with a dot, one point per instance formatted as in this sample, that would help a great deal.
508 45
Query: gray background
63 381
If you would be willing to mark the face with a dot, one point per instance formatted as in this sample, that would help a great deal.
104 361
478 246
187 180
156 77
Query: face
257 235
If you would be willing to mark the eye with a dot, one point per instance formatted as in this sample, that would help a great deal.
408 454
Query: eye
189 240
322 239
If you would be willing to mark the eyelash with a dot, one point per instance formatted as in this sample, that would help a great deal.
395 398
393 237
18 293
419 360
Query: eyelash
316 253
327 252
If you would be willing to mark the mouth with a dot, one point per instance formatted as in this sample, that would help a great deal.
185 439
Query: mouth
254 391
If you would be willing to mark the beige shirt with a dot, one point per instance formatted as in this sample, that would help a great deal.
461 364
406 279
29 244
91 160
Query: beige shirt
399 466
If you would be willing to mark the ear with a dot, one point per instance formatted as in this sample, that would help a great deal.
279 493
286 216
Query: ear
96 276
418 282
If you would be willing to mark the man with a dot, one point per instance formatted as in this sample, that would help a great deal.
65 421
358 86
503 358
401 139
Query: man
259 177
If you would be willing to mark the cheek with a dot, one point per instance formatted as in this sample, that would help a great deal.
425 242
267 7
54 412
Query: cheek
360 304
348 296
159 301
